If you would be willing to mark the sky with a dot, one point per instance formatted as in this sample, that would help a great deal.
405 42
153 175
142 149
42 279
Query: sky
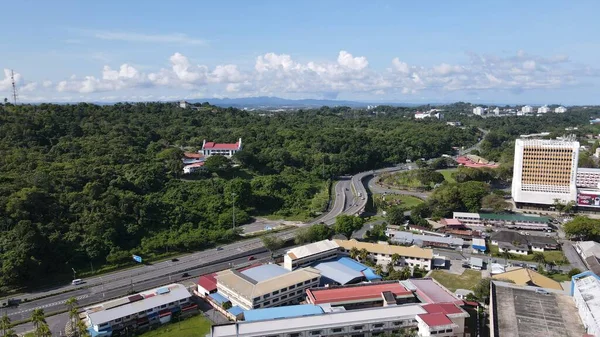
510 52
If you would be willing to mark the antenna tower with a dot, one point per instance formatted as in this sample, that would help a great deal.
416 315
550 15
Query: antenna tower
14 86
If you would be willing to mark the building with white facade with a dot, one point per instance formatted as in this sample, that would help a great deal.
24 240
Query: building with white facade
183 104
543 109
496 111
513 221
220 149
588 177
305 255
429 320
561 109
478 111
527 109
544 170
403 237
148 308
381 253
585 289
266 286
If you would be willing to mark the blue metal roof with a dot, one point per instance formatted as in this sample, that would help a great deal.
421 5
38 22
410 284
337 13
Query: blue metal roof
370 274
351 263
219 298
265 272
282 312
337 272
235 310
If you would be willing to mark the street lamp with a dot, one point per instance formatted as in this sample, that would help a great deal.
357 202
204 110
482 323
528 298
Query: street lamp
74 273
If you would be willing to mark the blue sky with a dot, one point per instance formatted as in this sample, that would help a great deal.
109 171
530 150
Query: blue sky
394 51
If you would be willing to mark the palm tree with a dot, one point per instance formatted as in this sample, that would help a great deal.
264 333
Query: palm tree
551 264
363 254
75 325
395 259
354 252
506 255
5 326
539 258
39 322
378 269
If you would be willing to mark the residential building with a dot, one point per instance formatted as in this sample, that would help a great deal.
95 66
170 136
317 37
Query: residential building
585 289
520 311
308 254
590 254
428 114
359 296
382 253
543 109
142 310
192 168
220 149
544 170
506 220
527 109
183 104
479 111
561 109
457 123
517 243
438 319
344 270
266 285
496 111
528 277
408 238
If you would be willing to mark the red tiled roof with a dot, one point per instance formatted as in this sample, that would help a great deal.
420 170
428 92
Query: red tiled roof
208 282
354 293
193 155
200 164
435 319
444 308
220 146
451 222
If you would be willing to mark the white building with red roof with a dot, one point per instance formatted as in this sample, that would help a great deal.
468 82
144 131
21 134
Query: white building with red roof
220 149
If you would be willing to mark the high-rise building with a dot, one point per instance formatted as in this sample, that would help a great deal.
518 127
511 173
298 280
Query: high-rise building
543 109
478 111
527 109
561 109
545 170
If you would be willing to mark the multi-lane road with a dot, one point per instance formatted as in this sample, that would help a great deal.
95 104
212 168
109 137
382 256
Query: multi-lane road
350 198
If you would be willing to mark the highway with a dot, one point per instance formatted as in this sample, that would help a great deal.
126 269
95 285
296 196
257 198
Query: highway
350 198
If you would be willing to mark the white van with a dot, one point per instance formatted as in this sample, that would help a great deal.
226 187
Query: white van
77 281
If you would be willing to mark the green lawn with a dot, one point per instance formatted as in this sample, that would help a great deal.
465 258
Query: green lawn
447 173
406 202
403 179
552 255
191 327
467 280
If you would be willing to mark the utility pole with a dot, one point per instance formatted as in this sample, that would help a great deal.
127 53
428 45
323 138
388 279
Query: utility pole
74 273
14 86
233 214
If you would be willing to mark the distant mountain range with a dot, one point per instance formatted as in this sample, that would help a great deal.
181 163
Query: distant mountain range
276 102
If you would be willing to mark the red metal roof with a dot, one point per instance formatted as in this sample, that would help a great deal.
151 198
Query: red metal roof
444 308
220 146
354 293
451 222
435 319
208 282
193 155
200 164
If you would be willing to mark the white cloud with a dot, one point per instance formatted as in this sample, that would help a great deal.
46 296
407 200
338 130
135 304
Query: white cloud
280 74
6 82
175 38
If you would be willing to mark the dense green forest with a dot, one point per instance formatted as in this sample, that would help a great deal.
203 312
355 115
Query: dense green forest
89 183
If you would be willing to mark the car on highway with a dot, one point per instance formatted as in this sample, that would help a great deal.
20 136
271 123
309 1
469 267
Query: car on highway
185 275
174 260
250 258
219 248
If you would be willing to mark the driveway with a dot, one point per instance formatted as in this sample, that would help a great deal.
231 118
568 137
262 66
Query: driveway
572 256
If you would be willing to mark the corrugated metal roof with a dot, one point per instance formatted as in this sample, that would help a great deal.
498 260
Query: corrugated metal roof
337 272
282 312
409 237
386 249
265 272
312 249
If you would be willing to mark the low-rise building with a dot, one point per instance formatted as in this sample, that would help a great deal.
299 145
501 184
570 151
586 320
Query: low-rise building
513 221
561 109
360 296
478 245
146 309
476 263
523 311
266 286
207 284
590 254
183 104
431 319
528 277
517 243
408 238
382 253
308 254
192 168
344 270
585 289
220 149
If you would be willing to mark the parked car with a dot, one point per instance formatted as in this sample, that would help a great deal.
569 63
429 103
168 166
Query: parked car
542 291
250 258
185 275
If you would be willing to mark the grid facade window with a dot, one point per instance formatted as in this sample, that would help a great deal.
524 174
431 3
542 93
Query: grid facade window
546 166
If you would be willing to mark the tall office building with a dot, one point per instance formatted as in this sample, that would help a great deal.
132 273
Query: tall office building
545 170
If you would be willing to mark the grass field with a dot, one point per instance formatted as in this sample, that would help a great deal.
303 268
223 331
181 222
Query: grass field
467 280
191 327
448 174
556 256
406 202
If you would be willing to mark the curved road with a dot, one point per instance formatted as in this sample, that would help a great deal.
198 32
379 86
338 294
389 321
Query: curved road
350 198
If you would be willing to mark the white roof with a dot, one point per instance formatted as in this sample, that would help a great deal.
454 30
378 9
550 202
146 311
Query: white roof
111 310
589 288
476 261
409 237
315 322
478 242
465 215
589 248
312 249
